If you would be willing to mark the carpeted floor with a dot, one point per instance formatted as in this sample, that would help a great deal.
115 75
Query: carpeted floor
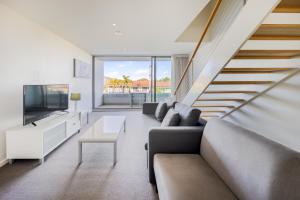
60 177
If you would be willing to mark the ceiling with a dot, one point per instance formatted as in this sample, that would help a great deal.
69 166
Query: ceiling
143 27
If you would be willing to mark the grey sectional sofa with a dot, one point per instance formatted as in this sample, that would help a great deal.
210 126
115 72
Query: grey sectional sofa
173 144
226 162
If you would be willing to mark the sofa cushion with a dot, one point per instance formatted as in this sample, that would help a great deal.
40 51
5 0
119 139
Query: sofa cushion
202 122
188 116
188 176
161 111
253 166
170 103
172 118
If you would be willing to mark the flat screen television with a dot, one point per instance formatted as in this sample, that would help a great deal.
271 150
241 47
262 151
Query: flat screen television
40 101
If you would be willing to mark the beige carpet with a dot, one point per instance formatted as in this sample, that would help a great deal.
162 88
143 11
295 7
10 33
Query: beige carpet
60 177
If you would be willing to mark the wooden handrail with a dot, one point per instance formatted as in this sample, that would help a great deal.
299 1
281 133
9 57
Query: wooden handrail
210 19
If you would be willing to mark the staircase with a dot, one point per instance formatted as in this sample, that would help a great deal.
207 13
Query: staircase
268 57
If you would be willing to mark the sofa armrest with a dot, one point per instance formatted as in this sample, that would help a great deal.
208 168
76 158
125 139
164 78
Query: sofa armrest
149 108
182 139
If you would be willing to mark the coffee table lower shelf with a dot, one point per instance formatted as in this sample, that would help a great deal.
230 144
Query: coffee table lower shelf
80 143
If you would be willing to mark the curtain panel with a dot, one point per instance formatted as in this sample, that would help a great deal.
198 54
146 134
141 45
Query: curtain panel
179 63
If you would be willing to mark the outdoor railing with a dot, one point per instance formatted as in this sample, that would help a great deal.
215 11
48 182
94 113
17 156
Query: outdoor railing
124 98
130 99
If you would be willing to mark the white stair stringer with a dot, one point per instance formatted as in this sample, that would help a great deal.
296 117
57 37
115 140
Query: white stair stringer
242 28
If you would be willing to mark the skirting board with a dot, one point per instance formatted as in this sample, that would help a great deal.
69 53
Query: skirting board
3 162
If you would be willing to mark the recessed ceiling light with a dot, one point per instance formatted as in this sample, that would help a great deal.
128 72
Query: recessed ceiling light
118 33
114 24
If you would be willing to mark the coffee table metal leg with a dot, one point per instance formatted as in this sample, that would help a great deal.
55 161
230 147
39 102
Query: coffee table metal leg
79 152
115 153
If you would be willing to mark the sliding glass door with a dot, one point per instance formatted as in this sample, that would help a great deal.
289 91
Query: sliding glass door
162 79
128 82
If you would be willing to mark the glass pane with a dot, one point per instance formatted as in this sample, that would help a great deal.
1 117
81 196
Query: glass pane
125 82
163 78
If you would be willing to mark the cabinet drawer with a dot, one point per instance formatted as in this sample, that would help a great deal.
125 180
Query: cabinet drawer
75 117
54 137
73 125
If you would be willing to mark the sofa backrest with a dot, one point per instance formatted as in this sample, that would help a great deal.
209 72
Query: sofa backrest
188 116
253 166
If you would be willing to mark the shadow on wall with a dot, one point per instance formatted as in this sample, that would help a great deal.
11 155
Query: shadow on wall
274 114
275 102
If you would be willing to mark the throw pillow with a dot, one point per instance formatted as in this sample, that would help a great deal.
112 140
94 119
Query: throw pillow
191 118
172 118
188 116
161 111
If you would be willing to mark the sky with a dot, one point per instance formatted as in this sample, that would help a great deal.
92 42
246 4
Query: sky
135 69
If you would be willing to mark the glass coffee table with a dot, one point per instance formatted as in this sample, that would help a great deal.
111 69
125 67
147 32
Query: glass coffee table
106 130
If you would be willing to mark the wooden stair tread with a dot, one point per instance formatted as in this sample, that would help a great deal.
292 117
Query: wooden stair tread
277 32
253 70
239 82
288 6
267 54
213 111
213 106
225 99
287 9
275 37
230 92
209 115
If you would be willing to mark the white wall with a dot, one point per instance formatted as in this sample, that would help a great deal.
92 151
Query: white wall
275 114
30 54
99 83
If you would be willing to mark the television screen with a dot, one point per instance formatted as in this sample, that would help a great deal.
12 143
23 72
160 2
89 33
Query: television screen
39 101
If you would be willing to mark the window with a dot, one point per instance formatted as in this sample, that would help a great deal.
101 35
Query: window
128 82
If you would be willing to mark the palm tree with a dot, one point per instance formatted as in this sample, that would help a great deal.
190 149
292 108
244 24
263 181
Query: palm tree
126 82
115 83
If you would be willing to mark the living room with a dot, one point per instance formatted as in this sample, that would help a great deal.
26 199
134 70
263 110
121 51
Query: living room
167 100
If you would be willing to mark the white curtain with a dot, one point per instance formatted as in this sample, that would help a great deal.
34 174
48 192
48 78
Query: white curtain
179 63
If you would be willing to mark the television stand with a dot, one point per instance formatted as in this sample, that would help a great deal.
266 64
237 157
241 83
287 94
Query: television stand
11 161
36 142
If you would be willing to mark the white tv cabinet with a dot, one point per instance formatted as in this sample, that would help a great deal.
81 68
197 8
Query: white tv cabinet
35 142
